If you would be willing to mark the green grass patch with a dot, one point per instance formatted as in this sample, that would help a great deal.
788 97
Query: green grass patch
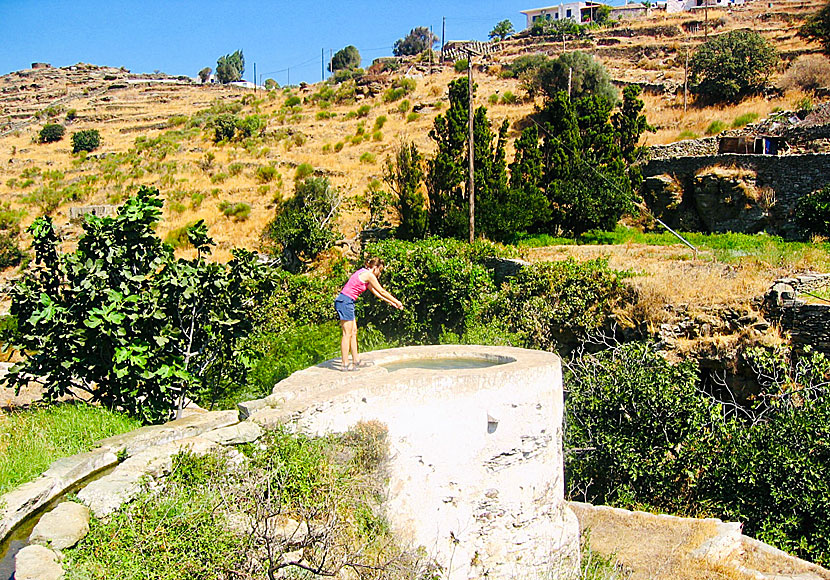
744 120
728 247
32 439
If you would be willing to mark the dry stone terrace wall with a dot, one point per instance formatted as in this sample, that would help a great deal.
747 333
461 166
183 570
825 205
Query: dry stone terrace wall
787 178
808 324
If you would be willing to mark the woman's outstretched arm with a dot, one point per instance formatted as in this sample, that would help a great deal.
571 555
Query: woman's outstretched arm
381 292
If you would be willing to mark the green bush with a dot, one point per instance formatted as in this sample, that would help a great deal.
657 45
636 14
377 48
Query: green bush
380 122
441 283
554 304
813 212
411 117
368 158
239 211
715 127
303 170
266 173
293 101
88 140
508 98
729 66
460 65
51 133
363 111
744 120
235 169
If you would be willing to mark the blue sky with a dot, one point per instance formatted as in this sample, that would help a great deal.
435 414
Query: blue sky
182 36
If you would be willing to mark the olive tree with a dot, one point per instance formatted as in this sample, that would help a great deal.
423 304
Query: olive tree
732 65
347 58
417 41
229 68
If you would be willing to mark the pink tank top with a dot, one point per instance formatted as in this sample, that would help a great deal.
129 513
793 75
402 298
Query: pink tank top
354 287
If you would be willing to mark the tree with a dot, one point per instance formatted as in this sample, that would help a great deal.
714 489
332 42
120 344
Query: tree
447 171
732 65
204 74
87 140
579 71
122 319
817 28
230 68
502 30
304 225
417 41
347 58
405 176
51 132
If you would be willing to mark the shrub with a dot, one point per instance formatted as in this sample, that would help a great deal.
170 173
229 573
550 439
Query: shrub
813 211
363 111
88 140
744 120
250 126
715 127
304 224
731 65
223 127
508 98
441 283
528 63
368 158
554 304
413 116
239 211
403 107
377 136
380 122
687 134
303 170
338 147
460 65
807 73
493 99
323 115
293 101
218 178
266 173
71 115
51 133
579 70
235 169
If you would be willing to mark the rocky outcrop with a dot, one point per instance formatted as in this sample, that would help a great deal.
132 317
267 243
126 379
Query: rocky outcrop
37 563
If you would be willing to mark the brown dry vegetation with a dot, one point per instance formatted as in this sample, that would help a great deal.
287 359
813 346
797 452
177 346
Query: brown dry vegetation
639 51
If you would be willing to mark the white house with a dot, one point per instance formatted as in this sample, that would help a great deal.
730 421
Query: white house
579 12
673 6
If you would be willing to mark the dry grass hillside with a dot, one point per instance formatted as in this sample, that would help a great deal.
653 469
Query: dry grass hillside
149 134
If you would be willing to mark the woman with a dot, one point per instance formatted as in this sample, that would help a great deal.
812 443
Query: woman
366 277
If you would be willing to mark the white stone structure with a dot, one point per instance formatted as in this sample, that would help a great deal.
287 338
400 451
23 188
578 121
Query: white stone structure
579 12
675 6
476 467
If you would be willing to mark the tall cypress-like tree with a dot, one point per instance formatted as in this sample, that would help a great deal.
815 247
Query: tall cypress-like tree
528 208
448 205
405 176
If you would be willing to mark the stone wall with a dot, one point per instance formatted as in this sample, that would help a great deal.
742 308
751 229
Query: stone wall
687 148
808 324
779 180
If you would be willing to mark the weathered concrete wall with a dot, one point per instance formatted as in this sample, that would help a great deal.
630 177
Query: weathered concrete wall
476 461
783 179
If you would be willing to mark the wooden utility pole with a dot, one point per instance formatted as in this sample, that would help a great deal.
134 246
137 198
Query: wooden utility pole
255 87
706 19
686 80
323 63
471 147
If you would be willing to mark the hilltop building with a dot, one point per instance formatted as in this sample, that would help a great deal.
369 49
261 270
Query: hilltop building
579 12
674 6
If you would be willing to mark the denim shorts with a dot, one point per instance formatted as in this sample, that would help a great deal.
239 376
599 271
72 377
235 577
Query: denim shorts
344 307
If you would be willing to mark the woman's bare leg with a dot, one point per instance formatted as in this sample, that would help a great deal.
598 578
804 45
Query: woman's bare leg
353 344
345 341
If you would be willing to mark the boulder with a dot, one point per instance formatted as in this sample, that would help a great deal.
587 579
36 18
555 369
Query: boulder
37 563
63 527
